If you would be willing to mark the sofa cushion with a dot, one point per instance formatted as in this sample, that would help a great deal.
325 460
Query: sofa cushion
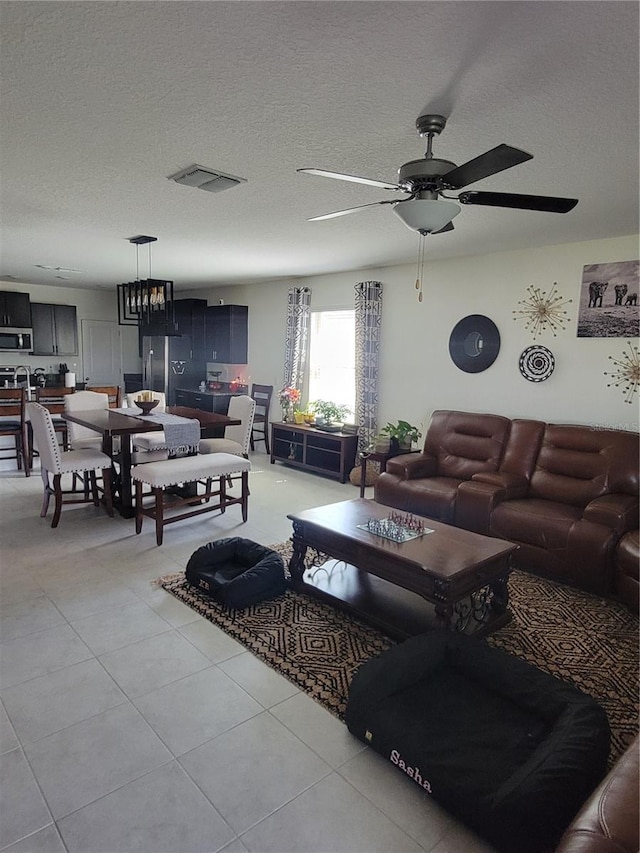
545 524
576 464
465 442
434 497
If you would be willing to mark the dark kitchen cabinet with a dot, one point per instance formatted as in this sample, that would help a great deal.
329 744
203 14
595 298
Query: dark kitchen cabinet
15 310
218 403
194 400
227 334
190 315
55 329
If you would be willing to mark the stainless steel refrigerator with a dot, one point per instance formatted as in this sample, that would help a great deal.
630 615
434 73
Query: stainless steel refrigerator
167 364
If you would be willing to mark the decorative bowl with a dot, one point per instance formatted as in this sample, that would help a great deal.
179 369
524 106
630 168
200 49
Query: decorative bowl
146 405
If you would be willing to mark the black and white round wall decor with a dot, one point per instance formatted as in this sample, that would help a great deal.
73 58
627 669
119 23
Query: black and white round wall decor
536 363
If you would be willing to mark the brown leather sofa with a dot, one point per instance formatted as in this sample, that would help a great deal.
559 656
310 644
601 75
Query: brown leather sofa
608 821
566 494
627 567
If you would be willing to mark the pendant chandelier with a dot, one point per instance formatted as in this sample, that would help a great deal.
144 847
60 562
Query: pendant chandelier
148 300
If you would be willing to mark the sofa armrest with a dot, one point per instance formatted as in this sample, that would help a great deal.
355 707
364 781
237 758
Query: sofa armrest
413 466
618 512
507 486
478 497
475 501
608 820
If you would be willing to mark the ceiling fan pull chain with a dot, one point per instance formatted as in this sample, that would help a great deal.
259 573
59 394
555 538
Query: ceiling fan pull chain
420 272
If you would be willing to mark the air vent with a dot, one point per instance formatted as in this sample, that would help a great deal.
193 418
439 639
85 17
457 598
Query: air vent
206 179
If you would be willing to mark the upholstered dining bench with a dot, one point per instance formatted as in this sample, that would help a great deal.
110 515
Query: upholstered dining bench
202 469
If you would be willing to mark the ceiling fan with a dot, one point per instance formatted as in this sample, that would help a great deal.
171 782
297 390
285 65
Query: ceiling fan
425 182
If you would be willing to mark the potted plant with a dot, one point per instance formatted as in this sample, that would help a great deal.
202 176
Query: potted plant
329 412
401 435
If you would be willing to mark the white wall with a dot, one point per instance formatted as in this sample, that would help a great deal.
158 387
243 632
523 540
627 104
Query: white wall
417 374
90 305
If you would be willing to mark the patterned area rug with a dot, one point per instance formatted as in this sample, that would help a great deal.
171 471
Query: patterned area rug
575 636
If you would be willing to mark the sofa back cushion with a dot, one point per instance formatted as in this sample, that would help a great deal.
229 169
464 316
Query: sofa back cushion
522 448
577 464
466 443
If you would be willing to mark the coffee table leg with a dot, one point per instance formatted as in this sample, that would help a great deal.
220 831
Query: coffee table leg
500 599
296 563
444 612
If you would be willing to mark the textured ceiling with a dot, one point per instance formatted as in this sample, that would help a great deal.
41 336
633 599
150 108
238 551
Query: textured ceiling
102 101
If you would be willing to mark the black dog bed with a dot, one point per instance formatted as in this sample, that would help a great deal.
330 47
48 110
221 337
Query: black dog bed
511 751
237 572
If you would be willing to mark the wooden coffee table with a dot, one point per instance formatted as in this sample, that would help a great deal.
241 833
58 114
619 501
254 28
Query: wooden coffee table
450 578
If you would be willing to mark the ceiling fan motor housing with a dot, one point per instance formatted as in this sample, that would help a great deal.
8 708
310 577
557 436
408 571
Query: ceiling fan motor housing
430 123
423 174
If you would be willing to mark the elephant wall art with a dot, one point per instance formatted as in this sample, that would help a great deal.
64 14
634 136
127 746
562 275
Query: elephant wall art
609 301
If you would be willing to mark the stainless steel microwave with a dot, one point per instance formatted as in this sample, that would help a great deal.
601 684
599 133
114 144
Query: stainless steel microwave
16 340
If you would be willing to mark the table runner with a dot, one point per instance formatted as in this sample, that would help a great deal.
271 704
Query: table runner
182 435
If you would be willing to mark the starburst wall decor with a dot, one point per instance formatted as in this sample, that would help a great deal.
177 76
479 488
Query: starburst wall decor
626 372
541 311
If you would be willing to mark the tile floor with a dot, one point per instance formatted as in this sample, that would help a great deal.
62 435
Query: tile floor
129 723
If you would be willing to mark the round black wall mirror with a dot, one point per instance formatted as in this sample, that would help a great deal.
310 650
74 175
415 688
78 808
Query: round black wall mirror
474 343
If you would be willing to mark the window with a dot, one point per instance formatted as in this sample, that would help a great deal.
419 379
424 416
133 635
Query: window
332 357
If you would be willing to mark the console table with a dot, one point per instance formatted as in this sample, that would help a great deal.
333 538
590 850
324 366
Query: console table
329 453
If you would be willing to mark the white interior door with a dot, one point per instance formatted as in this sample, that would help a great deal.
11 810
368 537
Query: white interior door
101 352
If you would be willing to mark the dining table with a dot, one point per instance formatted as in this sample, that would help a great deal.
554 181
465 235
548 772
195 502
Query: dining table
111 423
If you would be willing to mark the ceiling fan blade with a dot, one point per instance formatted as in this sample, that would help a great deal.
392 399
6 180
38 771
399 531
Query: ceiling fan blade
497 160
548 204
353 178
348 210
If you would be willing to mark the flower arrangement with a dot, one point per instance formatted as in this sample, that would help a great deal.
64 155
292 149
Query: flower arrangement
289 397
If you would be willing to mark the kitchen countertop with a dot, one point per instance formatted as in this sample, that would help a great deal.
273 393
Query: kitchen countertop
221 392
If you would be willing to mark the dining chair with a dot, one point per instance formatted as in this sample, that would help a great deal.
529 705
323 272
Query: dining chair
13 424
236 438
54 463
262 396
52 398
113 392
153 440
80 437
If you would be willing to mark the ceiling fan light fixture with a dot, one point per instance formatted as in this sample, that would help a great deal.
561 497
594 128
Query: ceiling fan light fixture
426 215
